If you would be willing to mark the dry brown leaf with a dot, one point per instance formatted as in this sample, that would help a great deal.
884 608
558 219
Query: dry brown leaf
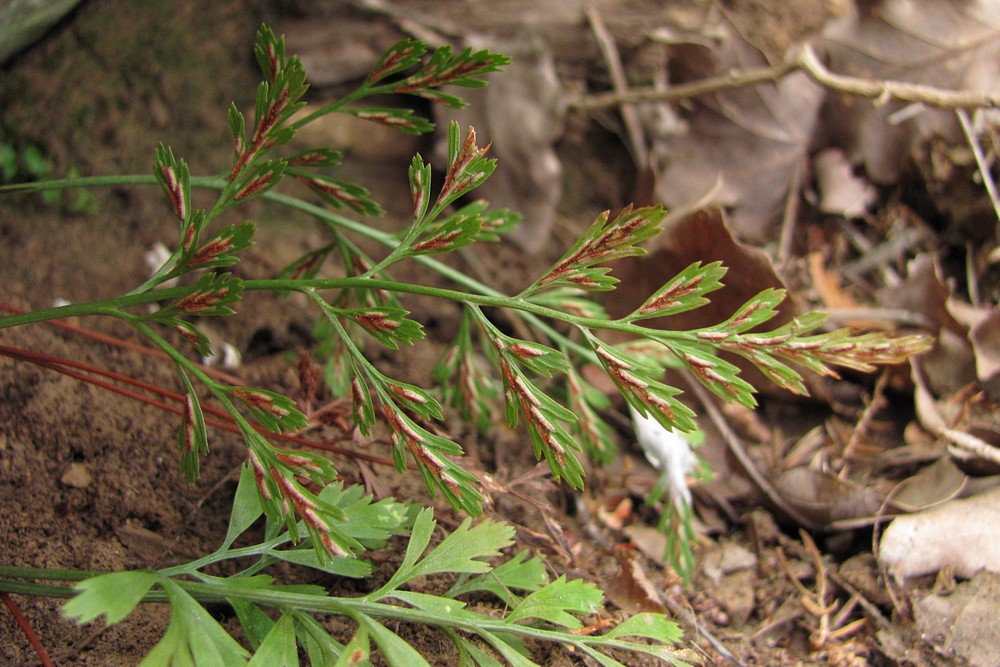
937 483
824 498
950 45
984 335
840 191
827 284
521 113
614 514
962 534
753 139
950 365
648 540
705 236
963 622
631 590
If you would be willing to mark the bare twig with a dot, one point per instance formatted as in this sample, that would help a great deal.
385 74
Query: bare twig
691 620
739 451
877 402
790 217
971 279
880 257
802 60
829 626
966 443
984 168
633 128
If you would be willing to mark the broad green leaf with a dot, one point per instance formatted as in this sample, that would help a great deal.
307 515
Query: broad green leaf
420 537
321 648
247 507
193 637
557 602
602 659
394 648
467 548
357 653
510 647
278 648
437 605
647 624
343 567
113 596
255 623
472 654
370 523
518 573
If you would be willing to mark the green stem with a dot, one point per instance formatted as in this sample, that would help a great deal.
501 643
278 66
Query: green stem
81 182
484 294
362 91
220 591
113 307
192 567
13 572
511 303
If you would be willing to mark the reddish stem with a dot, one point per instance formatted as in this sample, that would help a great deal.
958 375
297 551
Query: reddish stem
26 628
220 419
120 343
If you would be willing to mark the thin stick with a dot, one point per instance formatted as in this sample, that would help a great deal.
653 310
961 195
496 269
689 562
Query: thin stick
877 402
984 169
691 620
934 422
802 60
790 217
633 128
26 628
736 447
220 418
121 343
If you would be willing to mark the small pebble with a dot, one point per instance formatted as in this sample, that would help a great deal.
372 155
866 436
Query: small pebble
77 475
